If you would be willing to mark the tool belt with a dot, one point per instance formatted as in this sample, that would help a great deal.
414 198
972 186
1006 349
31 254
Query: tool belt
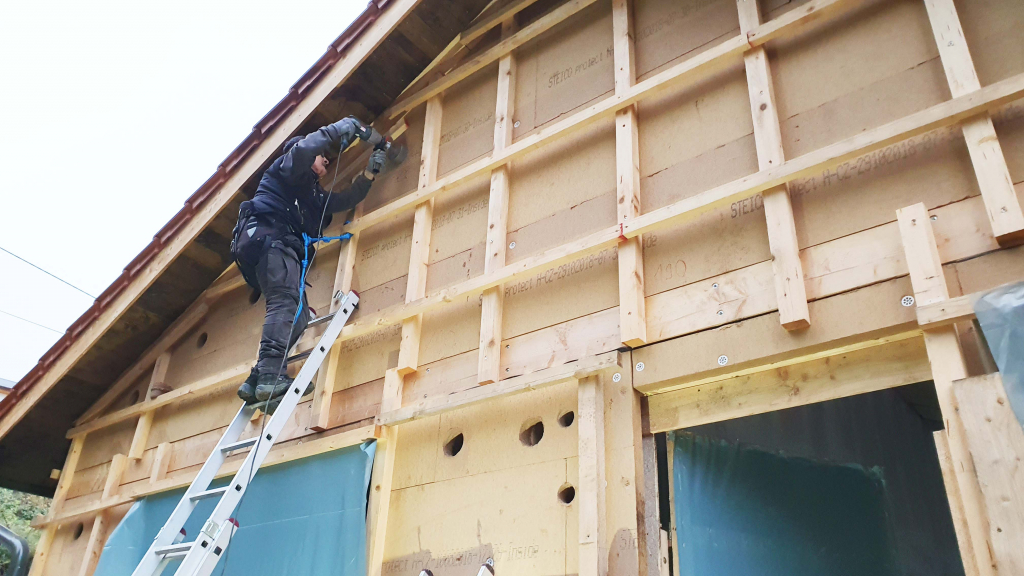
252 236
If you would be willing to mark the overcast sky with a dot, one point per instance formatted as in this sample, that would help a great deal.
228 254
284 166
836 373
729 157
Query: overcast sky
111 115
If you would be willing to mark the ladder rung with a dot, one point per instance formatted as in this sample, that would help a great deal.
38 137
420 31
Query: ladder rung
213 493
240 444
174 550
321 319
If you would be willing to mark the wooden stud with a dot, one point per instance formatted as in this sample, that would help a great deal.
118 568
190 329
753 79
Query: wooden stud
141 437
778 209
419 255
97 537
996 442
590 493
994 180
42 554
388 445
956 507
632 310
60 495
327 376
161 462
947 362
492 301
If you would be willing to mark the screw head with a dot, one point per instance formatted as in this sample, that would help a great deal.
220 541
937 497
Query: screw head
907 301
639 366
723 360
721 312
715 285
515 124
508 369
616 377
934 218
511 245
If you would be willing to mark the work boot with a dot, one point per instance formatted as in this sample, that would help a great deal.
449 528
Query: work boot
271 386
270 407
247 391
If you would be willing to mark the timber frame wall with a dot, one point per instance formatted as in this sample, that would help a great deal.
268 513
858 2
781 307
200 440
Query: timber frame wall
828 320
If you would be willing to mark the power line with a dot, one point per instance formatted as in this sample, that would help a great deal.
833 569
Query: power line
47 273
29 321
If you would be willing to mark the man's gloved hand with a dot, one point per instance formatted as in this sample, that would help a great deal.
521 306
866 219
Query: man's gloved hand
375 163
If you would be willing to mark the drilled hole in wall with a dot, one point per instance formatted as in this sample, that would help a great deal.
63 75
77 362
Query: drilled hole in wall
78 530
566 420
566 494
454 446
531 432
135 396
201 341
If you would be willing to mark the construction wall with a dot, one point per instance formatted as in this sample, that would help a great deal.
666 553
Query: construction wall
835 78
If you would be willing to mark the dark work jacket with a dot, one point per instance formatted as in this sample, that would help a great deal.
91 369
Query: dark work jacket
291 191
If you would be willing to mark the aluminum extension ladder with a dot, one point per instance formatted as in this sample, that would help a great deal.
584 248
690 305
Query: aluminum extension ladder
200 557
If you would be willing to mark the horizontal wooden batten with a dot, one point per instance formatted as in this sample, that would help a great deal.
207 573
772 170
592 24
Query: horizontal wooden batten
537 380
302 448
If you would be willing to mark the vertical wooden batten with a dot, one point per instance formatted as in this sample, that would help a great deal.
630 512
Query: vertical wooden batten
788 272
593 552
492 300
1004 212
632 309
947 361
419 254
67 475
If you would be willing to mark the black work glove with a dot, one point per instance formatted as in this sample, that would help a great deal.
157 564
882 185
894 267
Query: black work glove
376 163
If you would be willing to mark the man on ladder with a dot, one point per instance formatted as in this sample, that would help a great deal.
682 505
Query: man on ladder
269 245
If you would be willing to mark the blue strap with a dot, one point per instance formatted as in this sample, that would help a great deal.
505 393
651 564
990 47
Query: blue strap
307 241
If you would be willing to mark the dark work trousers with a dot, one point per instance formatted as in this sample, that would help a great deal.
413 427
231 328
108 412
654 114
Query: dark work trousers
279 273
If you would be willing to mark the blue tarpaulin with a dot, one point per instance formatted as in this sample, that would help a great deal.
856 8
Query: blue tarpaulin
742 511
303 517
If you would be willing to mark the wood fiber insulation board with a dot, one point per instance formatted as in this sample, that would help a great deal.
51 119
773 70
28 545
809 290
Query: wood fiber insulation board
402 179
511 488
992 30
996 442
567 190
67 552
467 125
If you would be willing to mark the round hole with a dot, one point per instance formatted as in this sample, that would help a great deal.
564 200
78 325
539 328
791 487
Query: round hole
566 420
531 432
78 530
135 396
202 340
566 494
454 446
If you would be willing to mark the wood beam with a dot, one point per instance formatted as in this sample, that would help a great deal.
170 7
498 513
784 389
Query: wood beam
419 254
632 309
161 462
838 376
97 537
778 208
994 180
145 424
590 494
355 54
384 471
947 363
996 442
118 464
492 301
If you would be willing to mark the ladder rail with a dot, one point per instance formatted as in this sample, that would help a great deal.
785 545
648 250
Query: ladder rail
194 560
